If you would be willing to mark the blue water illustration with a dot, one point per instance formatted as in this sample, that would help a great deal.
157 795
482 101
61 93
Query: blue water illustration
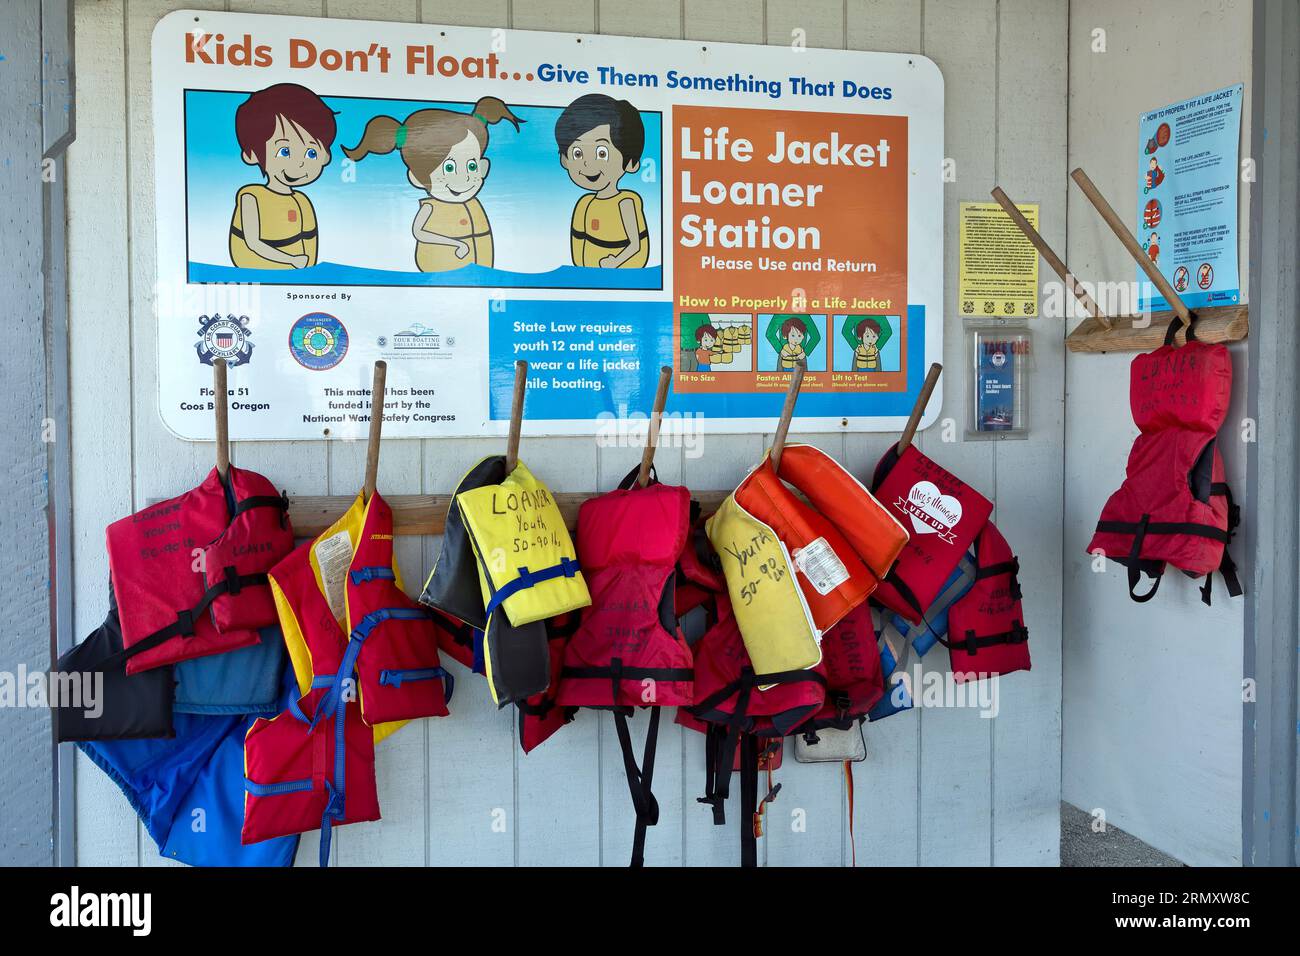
471 276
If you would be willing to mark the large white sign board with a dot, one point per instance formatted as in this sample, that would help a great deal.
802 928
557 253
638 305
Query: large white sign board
448 199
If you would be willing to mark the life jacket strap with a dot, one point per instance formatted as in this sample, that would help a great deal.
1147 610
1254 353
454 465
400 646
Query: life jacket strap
605 243
639 779
1140 529
616 673
905 592
335 801
567 568
279 502
748 799
707 708
362 575
278 243
848 790
971 643
231 583
395 678
333 698
720 743
275 789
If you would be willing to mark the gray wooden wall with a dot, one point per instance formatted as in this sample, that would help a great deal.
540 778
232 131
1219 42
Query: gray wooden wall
1153 695
939 786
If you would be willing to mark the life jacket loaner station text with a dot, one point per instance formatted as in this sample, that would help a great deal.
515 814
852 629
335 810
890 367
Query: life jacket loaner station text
760 233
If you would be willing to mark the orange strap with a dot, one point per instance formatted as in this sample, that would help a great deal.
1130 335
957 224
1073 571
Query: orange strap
765 761
848 787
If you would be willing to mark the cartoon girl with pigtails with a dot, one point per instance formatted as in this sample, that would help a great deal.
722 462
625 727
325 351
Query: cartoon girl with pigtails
443 152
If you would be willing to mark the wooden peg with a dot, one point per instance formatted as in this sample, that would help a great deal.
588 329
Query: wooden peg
219 401
787 413
656 419
1131 244
1049 256
516 415
376 427
922 400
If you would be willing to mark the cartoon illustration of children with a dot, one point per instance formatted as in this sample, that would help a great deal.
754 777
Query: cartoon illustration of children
443 152
601 139
1153 247
285 130
793 330
866 357
867 336
706 336
1155 175
793 338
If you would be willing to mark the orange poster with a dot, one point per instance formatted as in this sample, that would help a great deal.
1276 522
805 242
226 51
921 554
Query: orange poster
792 245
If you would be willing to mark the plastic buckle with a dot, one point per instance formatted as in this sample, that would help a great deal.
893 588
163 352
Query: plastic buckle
231 573
334 806
970 645
185 620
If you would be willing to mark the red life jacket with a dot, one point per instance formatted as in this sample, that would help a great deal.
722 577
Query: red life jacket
539 715
943 515
727 690
628 651
855 682
739 711
1174 506
628 646
986 626
189 574
345 618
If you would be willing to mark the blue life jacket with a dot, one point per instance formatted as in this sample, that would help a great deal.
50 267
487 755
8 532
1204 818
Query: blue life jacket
243 681
898 637
189 789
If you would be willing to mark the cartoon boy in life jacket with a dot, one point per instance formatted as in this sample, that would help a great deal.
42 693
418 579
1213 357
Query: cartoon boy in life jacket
1155 175
285 130
866 357
601 139
707 337
793 337
1153 247
443 153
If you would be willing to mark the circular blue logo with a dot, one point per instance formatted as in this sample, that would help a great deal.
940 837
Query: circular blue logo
318 341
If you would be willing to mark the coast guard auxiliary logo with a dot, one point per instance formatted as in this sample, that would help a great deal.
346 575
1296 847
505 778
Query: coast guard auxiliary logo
224 337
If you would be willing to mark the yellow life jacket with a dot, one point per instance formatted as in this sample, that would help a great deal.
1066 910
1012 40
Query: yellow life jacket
465 221
320 605
527 569
597 230
866 358
762 587
286 222
796 567
791 354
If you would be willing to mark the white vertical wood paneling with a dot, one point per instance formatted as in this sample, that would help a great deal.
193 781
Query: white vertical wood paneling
953 809
1027 732
938 787
1153 709
100 343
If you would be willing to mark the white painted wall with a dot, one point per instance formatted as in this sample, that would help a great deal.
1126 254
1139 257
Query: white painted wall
1153 710
939 787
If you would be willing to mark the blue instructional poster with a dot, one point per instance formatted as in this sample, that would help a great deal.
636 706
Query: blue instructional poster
1187 198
